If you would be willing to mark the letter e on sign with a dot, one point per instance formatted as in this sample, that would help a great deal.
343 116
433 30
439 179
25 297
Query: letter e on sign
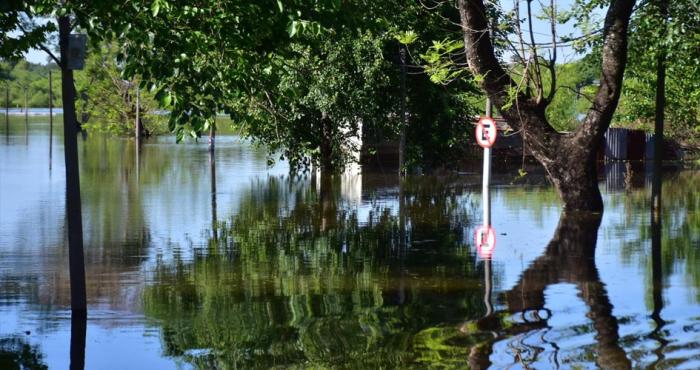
486 132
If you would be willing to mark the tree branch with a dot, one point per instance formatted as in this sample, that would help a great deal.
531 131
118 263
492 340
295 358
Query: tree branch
614 60
42 46
553 59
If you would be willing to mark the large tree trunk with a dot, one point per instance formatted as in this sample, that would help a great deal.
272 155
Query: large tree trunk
569 159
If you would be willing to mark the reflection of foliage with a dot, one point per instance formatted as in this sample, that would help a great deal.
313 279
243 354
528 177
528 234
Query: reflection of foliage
680 220
295 277
15 353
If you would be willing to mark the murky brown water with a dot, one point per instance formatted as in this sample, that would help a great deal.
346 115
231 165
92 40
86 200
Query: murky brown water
257 269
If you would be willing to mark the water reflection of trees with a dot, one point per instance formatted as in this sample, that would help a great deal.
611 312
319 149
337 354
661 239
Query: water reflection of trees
16 354
299 276
678 228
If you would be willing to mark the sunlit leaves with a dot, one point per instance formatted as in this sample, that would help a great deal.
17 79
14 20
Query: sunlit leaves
440 61
406 37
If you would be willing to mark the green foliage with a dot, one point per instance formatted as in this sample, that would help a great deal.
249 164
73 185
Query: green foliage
406 37
18 15
342 77
21 76
108 101
575 84
440 61
679 39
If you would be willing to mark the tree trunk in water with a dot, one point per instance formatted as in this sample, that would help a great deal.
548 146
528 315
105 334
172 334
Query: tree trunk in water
574 174
326 146
76 258
569 159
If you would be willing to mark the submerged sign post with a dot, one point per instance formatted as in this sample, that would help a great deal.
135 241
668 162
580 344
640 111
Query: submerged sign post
486 132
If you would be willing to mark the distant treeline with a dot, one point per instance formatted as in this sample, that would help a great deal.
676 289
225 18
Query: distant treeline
22 77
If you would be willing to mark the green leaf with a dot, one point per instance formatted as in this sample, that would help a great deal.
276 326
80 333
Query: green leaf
407 37
155 8
292 30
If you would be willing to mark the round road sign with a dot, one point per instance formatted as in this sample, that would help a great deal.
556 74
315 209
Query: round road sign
485 241
486 132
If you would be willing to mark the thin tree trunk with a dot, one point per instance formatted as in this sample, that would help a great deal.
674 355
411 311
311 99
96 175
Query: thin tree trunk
76 258
402 138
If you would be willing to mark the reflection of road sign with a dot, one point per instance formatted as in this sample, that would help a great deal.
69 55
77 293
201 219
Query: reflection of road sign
486 132
485 241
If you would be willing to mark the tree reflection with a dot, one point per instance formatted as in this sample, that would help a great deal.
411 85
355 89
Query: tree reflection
298 276
570 257
78 331
16 354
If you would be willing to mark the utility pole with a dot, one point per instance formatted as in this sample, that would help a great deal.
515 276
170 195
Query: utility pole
7 109
212 134
137 124
50 118
26 109
76 258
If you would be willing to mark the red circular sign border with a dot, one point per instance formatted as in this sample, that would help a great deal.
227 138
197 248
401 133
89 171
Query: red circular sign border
481 119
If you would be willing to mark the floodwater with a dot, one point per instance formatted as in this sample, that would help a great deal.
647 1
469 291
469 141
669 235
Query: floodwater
194 263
